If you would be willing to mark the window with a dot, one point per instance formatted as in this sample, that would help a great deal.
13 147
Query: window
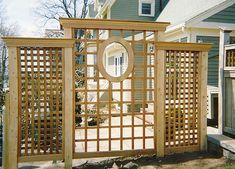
146 7
119 62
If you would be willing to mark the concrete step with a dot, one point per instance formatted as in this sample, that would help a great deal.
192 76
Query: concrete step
223 141
220 143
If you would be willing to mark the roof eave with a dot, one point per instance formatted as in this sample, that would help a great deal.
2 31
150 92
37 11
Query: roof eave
198 18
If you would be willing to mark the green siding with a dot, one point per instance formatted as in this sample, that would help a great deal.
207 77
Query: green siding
129 10
184 39
225 16
210 39
213 71
213 61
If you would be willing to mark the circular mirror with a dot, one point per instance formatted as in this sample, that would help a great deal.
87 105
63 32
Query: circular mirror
115 59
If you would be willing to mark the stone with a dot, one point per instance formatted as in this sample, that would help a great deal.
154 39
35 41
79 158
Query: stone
131 165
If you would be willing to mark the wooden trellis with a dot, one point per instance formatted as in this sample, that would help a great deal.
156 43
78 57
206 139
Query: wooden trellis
161 95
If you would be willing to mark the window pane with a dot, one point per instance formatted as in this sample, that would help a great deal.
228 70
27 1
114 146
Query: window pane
146 8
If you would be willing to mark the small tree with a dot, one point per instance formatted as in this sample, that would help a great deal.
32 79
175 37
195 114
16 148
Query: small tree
52 11
5 30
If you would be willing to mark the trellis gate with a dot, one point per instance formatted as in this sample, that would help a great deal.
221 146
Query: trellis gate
158 105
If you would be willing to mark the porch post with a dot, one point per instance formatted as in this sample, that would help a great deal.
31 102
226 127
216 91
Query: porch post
224 40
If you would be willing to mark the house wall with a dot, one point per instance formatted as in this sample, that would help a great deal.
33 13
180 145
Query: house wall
225 16
129 10
213 58
176 36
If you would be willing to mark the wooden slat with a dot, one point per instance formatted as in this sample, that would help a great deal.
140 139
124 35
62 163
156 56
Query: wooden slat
144 92
38 102
182 149
133 96
183 46
98 97
86 88
35 158
113 24
37 42
126 153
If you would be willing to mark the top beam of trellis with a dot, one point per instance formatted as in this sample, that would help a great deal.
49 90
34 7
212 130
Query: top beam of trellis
113 24
38 42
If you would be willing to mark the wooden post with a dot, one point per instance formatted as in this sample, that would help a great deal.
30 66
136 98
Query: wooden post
68 107
68 103
13 114
203 66
6 132
68 33
159 105
224 40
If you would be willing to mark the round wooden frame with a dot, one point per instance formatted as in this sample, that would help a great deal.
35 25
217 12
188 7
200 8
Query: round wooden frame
130 52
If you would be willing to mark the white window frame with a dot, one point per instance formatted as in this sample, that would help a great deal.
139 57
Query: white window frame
152 2
118 66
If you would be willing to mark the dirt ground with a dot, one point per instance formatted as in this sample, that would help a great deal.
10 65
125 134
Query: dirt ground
177 161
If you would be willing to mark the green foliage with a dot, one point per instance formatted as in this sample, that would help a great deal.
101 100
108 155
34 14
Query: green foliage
93 120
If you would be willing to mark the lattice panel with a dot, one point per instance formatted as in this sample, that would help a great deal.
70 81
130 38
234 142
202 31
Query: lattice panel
230 58
40 93
113 116
181 115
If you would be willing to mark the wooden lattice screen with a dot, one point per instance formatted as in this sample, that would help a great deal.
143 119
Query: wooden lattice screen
122 112
63 106
40 95
182 113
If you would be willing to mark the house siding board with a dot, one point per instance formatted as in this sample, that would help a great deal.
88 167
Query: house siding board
213 61
215 44
225 16
213 69
184 39
129 10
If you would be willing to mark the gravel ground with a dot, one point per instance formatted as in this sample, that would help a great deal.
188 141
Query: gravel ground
176 161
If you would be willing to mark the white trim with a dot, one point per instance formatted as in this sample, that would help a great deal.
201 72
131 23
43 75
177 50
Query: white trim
213 25
108 4
174 28
197 21
152 3
229 47
209 12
